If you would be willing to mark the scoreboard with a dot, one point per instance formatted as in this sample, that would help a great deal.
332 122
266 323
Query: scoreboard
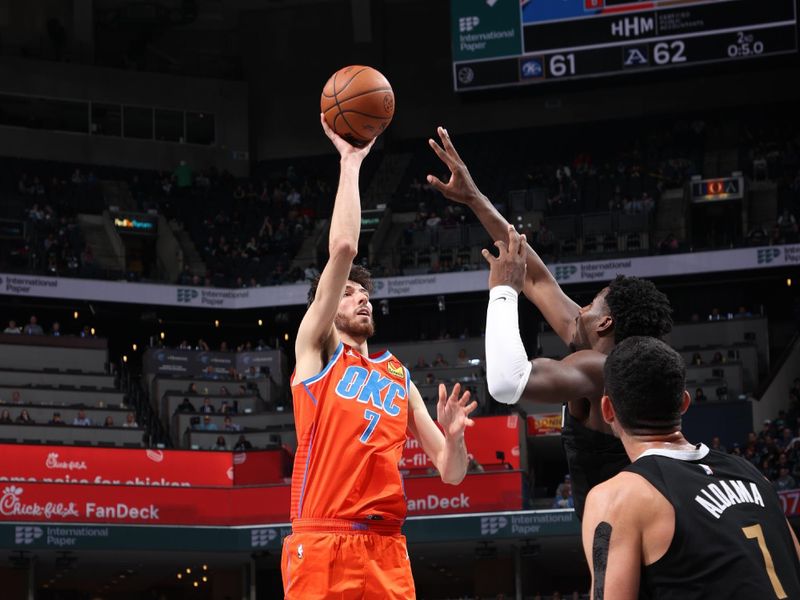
500 43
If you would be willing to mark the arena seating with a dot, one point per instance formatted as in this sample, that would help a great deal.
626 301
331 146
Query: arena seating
80 388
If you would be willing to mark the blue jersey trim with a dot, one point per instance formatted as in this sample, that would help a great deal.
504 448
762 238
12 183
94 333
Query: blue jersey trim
310 395
385 356
327 368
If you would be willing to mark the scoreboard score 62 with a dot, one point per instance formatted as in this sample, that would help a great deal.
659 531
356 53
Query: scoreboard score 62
515 42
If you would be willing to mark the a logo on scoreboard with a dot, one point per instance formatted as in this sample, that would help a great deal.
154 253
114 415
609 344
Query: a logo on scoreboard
531 68
635 56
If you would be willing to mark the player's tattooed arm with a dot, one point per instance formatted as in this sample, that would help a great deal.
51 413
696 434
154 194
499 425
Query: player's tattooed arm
612 540
600 545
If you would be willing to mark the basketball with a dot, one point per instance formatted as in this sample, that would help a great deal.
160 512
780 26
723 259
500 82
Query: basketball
358 103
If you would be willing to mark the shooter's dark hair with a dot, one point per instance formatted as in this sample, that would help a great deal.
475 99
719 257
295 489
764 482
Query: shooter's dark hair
645 380
359 274
638 308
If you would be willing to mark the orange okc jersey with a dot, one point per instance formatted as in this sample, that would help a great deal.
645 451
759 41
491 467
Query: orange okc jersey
351 421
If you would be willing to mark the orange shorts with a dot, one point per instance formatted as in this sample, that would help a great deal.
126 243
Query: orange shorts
329 559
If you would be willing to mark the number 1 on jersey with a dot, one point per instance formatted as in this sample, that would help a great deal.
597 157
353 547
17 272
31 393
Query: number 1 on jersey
373 418
754 532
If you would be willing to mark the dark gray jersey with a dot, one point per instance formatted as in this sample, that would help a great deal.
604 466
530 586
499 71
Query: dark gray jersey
731 538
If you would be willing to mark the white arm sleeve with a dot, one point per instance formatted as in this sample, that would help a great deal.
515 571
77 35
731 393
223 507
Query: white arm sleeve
507 364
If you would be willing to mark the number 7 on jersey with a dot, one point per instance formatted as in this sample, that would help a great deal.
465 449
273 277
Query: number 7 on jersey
373 418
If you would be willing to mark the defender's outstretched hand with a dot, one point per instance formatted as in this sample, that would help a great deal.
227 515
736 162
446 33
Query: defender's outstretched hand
509 267
461 188
344 147
452 412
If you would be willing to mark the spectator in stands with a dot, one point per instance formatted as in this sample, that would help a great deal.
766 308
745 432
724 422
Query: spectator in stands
229 425
699 396
220 444
716 444
33 327
429 378
787 225
717 359
130 421
767 468
185 407
794 391
462 358
55 331
86 332
24 417
82 420
109 422
5 417
421 363
784 481
16 397
473 466
225 408
242 444
223 391
12 328
207 407
742 313
697 359
56 419
192 389
544 241
787 435
563 497
184 345
440 361
202 345
207 424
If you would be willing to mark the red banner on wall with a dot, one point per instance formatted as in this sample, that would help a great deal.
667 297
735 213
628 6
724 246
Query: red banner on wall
489 437
480 492
139 467
119 504
67 503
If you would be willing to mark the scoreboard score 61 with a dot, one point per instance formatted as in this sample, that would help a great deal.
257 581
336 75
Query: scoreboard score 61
500 43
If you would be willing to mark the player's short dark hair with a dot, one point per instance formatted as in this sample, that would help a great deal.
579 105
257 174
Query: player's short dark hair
645 380
359 274
638 308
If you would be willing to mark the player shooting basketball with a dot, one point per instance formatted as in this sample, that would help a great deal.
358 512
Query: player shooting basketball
352 412
628 306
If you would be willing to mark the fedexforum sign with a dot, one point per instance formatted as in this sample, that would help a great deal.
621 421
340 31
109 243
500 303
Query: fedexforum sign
394 287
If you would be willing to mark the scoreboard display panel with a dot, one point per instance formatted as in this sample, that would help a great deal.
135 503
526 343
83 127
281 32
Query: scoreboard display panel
500 43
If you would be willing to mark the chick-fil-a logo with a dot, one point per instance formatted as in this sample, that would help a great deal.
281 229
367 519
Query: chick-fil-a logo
52 462
12 506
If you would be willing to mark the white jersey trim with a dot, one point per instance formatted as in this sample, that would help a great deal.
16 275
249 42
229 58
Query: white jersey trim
688 455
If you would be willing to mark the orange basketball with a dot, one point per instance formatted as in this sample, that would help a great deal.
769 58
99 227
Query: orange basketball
358 103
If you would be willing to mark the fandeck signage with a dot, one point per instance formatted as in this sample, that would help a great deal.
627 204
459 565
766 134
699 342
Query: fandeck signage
135 467
395 287
130 504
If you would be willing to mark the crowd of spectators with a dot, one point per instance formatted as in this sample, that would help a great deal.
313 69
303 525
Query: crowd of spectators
33 327
80 420
248 231
775 449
